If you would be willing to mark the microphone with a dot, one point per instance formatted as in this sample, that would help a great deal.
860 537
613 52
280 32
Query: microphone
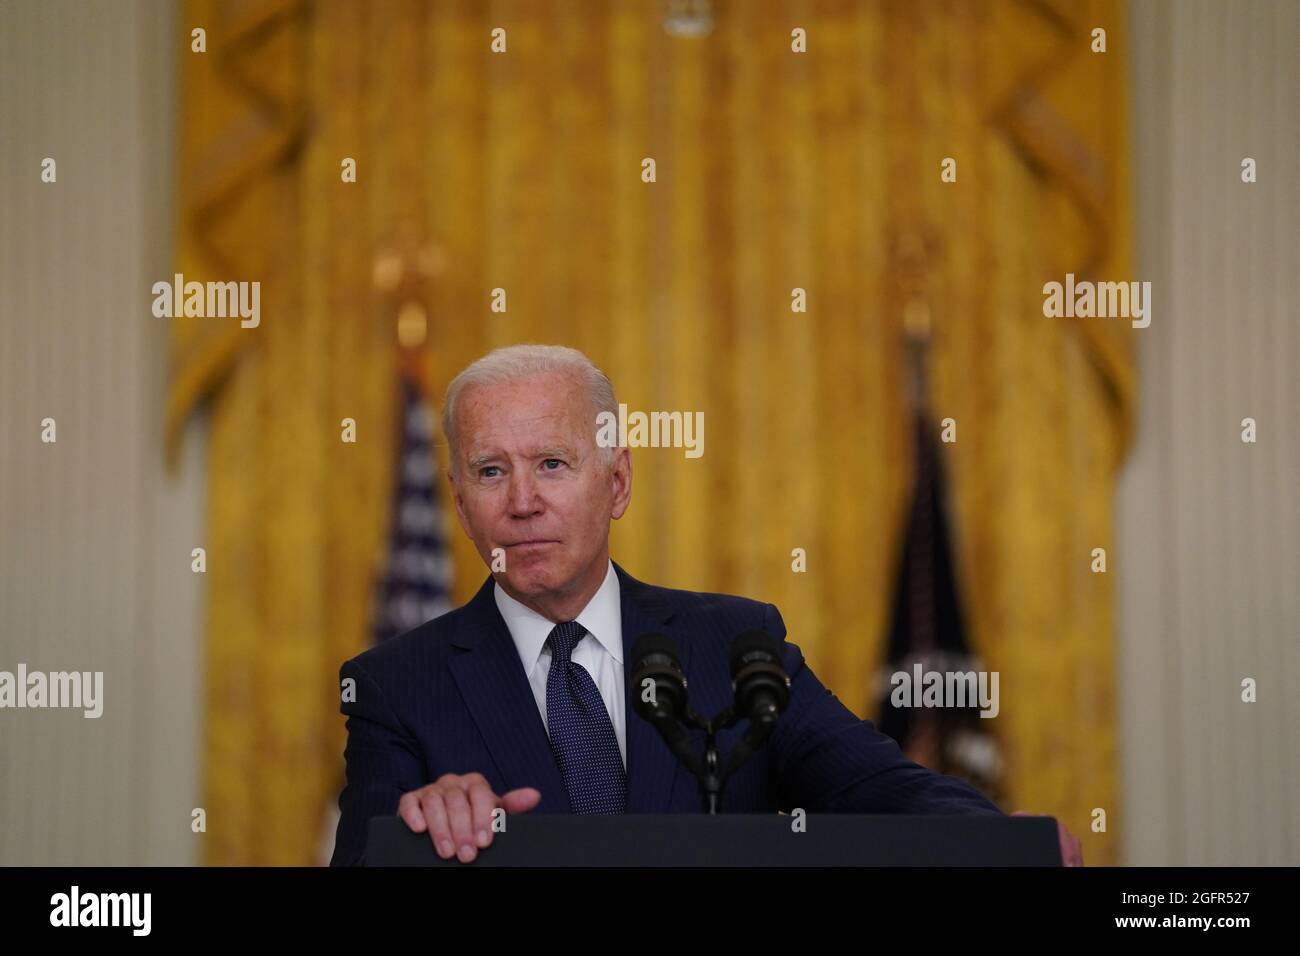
762 687
662 700
657 686
762 691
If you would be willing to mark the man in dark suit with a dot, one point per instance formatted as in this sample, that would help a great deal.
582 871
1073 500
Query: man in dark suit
520 699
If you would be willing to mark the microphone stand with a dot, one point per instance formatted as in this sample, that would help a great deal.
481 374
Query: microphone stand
710 774
710 777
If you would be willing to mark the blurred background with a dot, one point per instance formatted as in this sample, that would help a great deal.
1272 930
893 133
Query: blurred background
775 171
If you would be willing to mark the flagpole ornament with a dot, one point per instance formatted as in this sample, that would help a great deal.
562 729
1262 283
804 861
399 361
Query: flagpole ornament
688 18
402 273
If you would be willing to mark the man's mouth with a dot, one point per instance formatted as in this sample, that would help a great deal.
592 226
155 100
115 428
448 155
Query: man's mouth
535 542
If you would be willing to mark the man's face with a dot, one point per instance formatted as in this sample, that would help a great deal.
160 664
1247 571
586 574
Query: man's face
532 481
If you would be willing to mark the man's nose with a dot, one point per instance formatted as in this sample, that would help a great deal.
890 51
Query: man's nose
522 497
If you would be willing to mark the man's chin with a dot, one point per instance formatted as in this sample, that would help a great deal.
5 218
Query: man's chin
529 582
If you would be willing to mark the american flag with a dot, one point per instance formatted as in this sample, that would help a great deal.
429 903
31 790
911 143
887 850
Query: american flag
928 621
414 585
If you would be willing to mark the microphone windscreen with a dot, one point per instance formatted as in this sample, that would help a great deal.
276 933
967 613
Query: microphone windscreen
752 642
654 659
654 643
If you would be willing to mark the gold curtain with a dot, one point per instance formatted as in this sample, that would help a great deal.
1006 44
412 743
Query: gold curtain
775 171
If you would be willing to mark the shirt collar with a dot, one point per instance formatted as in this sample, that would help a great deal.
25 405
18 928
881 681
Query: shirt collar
602 618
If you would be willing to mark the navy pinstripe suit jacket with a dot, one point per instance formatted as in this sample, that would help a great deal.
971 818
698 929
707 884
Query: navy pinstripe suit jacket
451 696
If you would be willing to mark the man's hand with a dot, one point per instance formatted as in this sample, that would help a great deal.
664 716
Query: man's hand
456 811
1071 849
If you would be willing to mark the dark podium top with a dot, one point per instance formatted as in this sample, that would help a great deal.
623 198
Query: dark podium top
748 840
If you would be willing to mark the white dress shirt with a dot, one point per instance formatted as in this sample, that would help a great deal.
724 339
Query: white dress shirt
600 651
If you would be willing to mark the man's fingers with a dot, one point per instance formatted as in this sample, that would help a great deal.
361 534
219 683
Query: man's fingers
1071 848
521 800
482 802
461 818
457 812
408 808
435 815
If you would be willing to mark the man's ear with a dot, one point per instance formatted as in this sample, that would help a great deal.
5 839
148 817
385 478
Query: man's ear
620 476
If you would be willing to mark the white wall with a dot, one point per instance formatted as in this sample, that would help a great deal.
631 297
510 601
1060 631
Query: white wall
94 555
1209 527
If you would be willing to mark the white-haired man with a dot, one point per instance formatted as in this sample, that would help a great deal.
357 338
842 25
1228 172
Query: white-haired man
520 698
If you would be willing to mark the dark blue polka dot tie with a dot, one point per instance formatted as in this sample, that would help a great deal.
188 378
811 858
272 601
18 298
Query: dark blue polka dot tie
582 737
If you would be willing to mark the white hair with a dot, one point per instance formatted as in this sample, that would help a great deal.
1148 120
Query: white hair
515 363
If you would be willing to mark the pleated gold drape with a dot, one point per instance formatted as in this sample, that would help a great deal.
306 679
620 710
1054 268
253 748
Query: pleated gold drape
775 171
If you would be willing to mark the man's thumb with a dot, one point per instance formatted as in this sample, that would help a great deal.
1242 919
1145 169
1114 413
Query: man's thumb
521 800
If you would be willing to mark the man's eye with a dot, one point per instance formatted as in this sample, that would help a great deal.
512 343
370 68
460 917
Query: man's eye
483 472
549 460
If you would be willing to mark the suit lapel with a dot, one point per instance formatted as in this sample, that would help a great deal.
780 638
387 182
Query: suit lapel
651 766
495 688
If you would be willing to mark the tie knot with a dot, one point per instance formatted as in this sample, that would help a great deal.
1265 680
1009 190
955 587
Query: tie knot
563 638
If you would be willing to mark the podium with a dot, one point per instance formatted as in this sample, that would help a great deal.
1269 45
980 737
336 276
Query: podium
737 840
